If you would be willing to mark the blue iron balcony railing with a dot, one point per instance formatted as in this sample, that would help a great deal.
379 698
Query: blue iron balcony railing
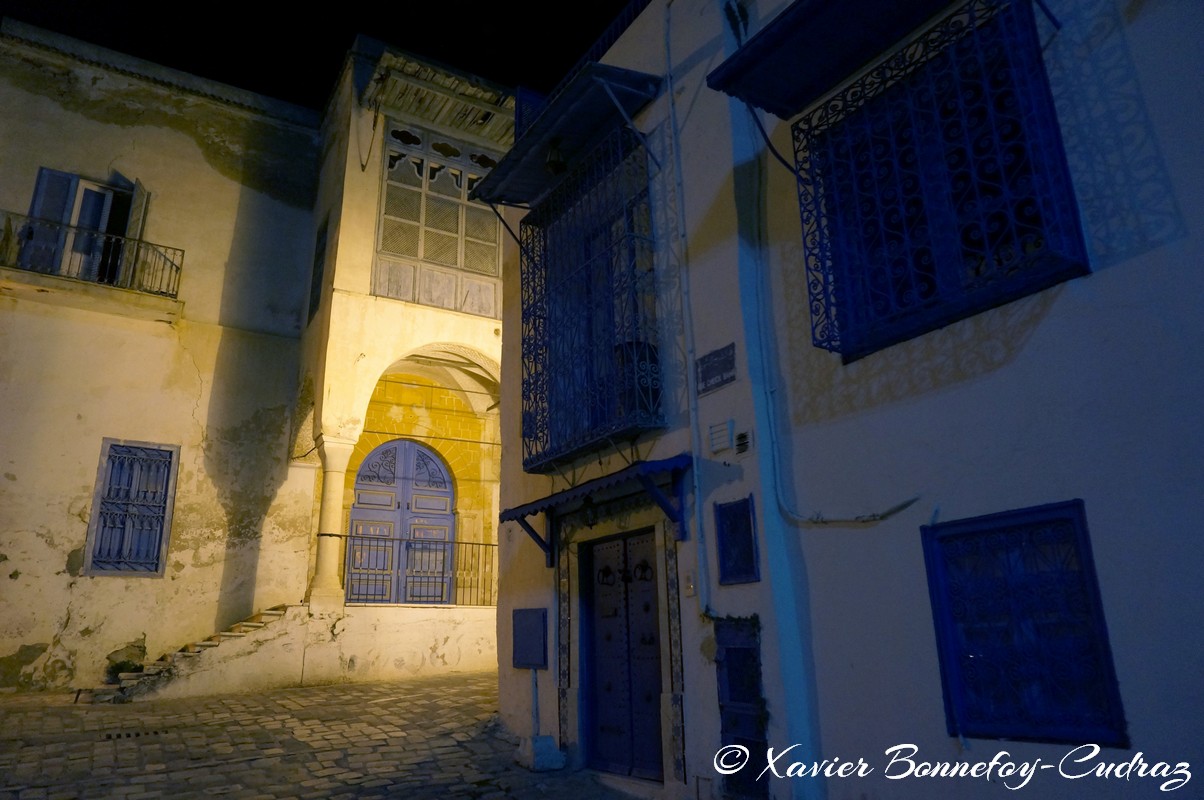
383 569
52 248
591 364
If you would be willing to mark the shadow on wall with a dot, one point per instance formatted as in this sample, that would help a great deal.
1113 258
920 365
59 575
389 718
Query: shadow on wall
1124 192
247 441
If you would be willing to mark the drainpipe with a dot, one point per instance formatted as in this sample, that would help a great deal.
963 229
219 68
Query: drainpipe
704 574
788 583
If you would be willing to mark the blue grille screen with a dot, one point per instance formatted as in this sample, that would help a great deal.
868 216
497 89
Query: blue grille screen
1020 628
935 186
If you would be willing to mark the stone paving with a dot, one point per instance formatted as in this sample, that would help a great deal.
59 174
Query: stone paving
424 738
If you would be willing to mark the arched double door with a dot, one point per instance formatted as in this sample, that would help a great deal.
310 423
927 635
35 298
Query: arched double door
401 543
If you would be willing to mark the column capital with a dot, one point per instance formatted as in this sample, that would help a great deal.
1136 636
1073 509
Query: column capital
335 452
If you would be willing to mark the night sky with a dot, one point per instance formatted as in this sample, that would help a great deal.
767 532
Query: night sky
296 56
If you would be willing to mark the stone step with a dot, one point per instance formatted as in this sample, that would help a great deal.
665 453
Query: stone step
230 634
130 676
247 627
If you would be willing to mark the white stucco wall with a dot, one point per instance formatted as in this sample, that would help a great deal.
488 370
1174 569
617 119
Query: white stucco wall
1083 391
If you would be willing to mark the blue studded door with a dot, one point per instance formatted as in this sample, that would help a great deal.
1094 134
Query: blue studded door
400 548
622 663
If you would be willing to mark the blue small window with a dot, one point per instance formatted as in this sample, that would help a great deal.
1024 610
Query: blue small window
1020 629
131 512
736 540
934 186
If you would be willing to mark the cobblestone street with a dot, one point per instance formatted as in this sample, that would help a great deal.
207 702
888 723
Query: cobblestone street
425 738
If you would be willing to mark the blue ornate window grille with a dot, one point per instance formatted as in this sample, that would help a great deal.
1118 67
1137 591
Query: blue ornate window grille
131 514
591 369
934 186
1020 628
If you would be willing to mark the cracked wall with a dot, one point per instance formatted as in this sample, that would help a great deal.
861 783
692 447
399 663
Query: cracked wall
214 373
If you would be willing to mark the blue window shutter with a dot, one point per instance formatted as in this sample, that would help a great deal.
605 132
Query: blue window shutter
131 513
742 711
1020 630
50 208
736 540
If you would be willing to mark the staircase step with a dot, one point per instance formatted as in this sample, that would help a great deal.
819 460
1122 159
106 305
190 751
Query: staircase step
230 634
104 694
206 644
129 676
246 627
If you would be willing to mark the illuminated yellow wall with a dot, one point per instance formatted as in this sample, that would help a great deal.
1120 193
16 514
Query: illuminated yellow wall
405 406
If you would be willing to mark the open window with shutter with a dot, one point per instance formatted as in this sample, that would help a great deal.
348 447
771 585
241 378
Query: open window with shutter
91 231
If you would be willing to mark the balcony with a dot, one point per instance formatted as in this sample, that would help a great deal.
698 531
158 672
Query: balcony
83 254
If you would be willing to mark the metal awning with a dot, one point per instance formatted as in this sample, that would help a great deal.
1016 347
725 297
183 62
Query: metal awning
589 106
814 45
640 477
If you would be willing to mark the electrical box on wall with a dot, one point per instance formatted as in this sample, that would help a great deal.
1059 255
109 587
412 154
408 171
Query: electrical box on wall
530 638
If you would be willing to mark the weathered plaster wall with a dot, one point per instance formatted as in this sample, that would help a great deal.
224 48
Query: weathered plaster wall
413 407
214 372
360 645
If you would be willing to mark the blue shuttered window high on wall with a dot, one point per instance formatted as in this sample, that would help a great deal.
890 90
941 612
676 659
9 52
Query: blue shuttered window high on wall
131 512
1020 628
934 186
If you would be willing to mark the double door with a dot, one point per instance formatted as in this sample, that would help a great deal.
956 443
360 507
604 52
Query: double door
401 543
622 656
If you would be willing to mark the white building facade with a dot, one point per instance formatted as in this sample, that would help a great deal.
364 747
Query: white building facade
855 348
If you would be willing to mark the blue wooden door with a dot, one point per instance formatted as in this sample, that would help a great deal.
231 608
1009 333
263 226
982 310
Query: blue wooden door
622 661
401 541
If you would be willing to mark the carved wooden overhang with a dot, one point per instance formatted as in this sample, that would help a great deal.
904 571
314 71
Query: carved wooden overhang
460 105
661 481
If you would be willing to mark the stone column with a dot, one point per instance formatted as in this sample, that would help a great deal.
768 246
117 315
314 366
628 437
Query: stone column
326 590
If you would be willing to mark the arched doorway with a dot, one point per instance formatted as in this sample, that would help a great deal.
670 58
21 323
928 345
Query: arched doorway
402 532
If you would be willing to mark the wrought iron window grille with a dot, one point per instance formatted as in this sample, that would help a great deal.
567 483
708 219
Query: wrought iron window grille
591 365
132 509
1020 629
934 186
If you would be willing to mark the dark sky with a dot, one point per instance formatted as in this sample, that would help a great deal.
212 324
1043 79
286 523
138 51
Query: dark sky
296 55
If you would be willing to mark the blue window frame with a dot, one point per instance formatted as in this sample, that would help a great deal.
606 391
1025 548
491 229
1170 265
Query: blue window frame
736 540
132 508
1020 629
591 368
934 186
